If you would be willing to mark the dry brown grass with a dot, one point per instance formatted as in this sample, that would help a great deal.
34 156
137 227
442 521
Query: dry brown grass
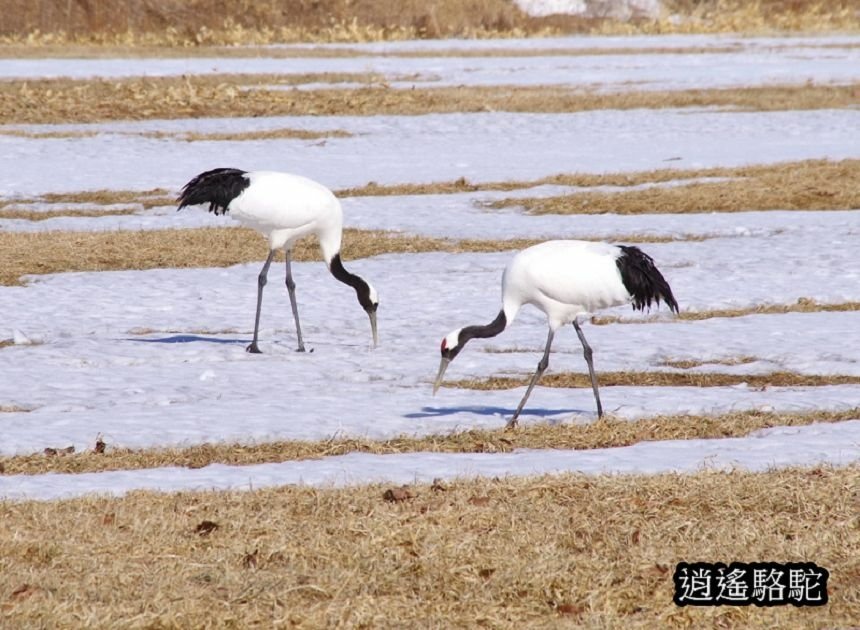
147 198
23 253
265 134
808 185
189 136
94 100
763 16
106 51
112 51
688 364
813 170
660 379
803 305
53 252
552 551
42 215
606 433
12 409
266 21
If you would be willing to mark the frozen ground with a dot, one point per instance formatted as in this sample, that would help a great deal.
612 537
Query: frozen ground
756 62
770 448
156 358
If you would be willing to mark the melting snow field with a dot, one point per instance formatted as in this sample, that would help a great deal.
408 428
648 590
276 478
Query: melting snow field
156 358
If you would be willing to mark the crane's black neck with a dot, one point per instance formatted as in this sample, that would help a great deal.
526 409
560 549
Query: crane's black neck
362 289
476 332
482 332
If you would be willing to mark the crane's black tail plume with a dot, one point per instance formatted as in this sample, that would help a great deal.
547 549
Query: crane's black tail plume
217 187
643 280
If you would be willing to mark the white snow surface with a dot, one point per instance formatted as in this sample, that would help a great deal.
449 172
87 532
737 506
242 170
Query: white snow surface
770 448
413 149
175 386
758 61
612 9
156 358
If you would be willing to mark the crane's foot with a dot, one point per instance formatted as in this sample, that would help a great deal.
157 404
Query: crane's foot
301 348
252 348
511 425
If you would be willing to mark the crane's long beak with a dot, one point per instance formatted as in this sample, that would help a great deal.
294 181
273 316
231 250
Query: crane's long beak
443 365
372 316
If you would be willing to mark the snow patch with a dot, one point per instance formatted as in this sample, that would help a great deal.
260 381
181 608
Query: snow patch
611 9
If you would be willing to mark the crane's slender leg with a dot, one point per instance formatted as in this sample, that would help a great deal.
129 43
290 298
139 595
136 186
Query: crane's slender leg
542 365
586 351
261 282
291 288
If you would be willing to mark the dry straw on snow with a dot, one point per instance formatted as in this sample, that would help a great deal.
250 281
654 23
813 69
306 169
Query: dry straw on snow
808 185
94 100
661 379
607 433
24 253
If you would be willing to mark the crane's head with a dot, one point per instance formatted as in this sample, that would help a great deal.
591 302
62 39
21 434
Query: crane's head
450 348
369 300
364 291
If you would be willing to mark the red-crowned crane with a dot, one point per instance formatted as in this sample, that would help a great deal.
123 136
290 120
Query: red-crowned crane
283 208
567 279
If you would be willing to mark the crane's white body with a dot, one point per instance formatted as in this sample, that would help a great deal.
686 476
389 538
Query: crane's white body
286 207
564 279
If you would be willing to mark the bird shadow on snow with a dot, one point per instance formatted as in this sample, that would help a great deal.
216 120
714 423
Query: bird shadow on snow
188 339
434 412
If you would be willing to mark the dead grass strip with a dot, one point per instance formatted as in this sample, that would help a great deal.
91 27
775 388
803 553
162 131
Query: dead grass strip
54 252
552 551
813 172
23 253
606 433
45 49
803 305
107 51
187 136
660 379
96 100
808 185
147 198
37 215
688 364
83 50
